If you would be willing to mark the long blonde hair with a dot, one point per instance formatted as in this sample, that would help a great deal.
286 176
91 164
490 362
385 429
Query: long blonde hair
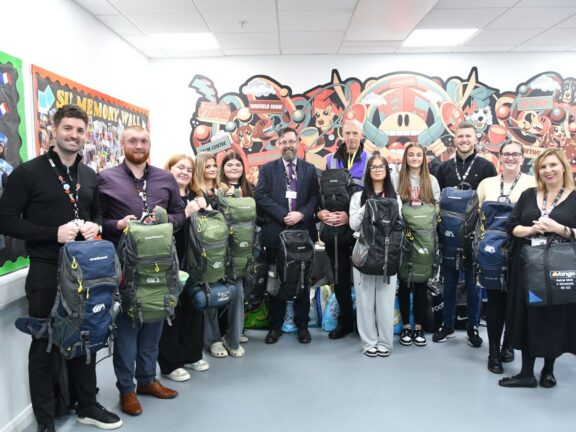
201 160
426 193
568 180
174 159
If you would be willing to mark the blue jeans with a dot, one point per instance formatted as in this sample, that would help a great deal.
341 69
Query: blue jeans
451 276
135 346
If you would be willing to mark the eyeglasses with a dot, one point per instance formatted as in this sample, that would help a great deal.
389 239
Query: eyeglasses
514 155
377 168
291 142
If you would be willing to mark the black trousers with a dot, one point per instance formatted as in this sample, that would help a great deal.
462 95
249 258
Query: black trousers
183 341
495 315
342 280
44 368
278 307
419 302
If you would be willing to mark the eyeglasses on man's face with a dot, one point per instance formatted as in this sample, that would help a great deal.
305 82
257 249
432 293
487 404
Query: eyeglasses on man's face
514 155
289 142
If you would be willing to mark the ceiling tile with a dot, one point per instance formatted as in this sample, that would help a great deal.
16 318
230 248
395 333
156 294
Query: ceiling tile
386 19
555 37
541 48
210 6
120 25
247 40
230 22
251 52
545 3
310 39
489 37
307 50
181 53
464 4
483 48
373 44
460 18
314 21
169 23
307 5
97 7
532 17
569 23
154 6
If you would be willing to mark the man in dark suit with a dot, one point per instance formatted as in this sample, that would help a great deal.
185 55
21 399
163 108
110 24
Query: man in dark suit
286 194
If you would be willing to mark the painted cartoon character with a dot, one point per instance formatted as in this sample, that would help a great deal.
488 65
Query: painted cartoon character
569 91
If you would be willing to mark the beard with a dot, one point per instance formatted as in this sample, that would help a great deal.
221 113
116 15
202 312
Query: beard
289 155
137 158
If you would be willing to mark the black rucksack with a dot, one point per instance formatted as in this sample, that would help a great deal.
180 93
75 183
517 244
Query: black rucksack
294 263
336 189
377 251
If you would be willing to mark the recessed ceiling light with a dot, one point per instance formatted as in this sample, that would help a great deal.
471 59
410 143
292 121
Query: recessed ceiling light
180 41
439 37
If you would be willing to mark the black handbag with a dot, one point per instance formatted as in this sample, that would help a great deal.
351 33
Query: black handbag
549 272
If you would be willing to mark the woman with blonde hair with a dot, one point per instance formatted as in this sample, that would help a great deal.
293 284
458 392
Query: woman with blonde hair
541 212
206 176
415 186
182 343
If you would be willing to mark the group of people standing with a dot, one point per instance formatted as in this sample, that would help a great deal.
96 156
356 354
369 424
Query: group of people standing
36 207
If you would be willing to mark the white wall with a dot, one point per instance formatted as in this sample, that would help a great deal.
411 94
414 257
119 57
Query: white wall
58 36
174 104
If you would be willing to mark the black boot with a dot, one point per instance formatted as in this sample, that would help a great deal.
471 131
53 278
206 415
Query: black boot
507 353
494 362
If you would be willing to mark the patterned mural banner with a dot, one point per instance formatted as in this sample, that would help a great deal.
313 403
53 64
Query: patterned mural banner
394 109
13 148
108 117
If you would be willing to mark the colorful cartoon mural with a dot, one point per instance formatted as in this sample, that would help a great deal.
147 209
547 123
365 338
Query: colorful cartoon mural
394 109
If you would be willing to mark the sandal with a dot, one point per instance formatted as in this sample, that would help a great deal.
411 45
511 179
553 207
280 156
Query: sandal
217 350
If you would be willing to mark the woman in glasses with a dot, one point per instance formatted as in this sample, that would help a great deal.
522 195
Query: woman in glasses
506 187
374 296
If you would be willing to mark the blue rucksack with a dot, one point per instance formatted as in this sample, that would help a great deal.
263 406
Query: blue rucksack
456 223
82 317
491 244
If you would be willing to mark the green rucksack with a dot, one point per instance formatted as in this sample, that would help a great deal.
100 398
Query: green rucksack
240 215
207 248
420 243
151 285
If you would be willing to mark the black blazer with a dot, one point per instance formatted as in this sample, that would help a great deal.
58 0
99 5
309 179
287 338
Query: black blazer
272 202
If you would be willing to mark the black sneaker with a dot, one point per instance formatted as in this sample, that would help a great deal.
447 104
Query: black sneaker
419 338
406 336
48 427
443 334
474 339
99 416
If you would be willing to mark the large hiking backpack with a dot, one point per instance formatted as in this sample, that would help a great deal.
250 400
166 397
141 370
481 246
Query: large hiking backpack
377 251
336 189
491 244
294 263
240 215
456 224
81 320
151 283
207 247
420 243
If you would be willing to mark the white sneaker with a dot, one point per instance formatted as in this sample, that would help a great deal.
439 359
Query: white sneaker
217 350
199 366
178 375
243 338
238 352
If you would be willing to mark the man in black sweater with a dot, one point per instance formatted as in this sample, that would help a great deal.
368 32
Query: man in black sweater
48 201
469 168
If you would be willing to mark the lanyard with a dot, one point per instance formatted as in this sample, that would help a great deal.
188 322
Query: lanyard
351 160
67 184
465 176
511 187
141 187
554 203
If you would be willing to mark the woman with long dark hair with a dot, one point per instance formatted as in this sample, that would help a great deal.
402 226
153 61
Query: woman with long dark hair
374 294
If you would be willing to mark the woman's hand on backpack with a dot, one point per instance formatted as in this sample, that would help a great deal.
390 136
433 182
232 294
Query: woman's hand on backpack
67 232
89 230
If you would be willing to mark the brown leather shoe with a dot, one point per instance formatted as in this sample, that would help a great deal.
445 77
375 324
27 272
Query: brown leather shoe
129 404
154 388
